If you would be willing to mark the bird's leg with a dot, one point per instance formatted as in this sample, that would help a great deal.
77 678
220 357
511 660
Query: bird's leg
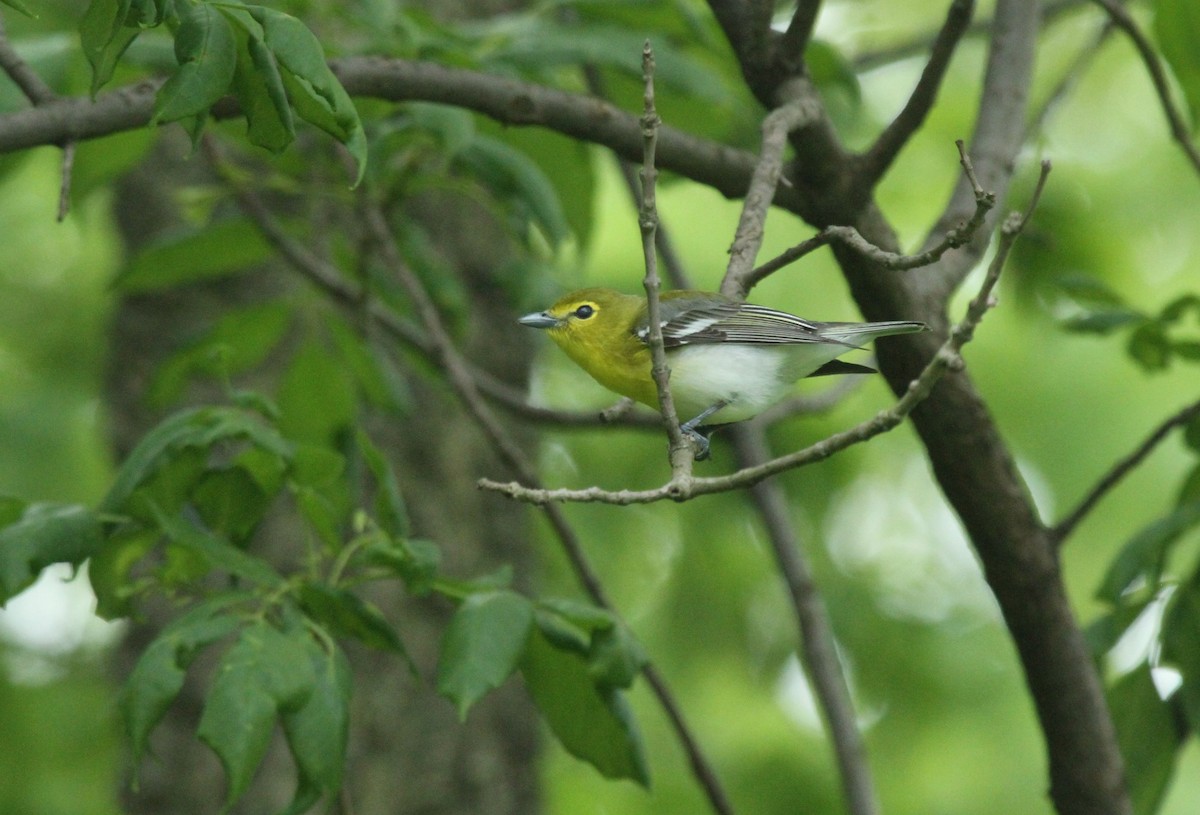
693 429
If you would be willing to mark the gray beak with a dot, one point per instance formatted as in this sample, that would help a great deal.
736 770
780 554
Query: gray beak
539 319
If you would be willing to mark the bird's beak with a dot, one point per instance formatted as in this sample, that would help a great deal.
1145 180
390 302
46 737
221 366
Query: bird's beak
539 319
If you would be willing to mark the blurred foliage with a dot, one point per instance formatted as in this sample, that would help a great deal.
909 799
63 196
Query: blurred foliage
1096 342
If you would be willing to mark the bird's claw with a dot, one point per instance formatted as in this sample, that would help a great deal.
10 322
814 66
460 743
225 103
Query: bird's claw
699 442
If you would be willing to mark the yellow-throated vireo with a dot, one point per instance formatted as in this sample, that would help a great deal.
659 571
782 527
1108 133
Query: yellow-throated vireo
729 360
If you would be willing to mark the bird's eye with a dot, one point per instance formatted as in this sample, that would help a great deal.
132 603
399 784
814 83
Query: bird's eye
584 311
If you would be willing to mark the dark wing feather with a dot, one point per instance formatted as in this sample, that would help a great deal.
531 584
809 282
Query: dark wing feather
697 320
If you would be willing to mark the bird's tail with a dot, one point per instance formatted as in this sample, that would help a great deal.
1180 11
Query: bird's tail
857 334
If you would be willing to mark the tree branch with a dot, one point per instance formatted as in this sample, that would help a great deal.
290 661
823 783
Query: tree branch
798 34
818 649
749 236
879 157
999 134
1063 529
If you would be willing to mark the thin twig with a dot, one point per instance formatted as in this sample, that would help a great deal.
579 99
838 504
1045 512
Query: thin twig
749 236
1175 121
879 157
1063 529
818 649
681 451
672 263
850 237
39 93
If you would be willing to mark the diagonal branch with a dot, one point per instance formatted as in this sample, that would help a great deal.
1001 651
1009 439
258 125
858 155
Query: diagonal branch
1179 129
1063 529
749 236
999 134
879 157
799 32
818 648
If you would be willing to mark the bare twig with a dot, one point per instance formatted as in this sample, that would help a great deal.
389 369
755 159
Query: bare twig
879 157
39 93
671 261
818 650
850 237
748 238
681 451
1175 120
1063 529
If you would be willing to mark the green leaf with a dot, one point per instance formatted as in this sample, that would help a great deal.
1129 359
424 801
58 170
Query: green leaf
381 383
482 646
105 37
1149 346
1145 553
259 86
514 176
317 733
110 569
348 615
265 673
1143 557
1147 737
19 6
206 49
565 163
44 534
323 414
616 657
315 93
1102 322
390 511
593 724
1189 492
1177 29
196 428
218 250
237 342
158 676
1181 645
413 560
231 503
1103 632
217 552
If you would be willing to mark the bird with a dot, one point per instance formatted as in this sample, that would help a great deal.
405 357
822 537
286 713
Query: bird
729 360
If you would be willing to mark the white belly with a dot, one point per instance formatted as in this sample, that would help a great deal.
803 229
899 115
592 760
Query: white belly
749 377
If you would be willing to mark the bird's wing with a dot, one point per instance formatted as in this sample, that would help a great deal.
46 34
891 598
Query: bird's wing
700 320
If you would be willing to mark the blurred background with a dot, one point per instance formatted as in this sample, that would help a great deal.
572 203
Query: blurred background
947 719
